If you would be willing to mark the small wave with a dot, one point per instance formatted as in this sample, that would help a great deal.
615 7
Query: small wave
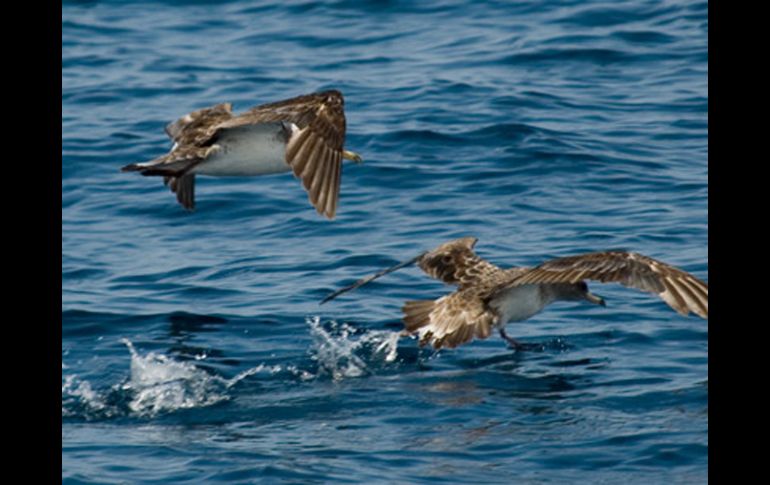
600 56
423 136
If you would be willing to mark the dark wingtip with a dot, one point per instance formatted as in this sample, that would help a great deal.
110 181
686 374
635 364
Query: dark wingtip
131 167
337 293
369 279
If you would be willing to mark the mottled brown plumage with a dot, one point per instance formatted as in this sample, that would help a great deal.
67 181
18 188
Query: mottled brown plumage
488 297
455 263
312 127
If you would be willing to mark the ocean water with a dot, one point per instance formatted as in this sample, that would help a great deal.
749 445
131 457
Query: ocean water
193 346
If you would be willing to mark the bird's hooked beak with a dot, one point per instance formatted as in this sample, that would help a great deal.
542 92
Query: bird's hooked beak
348 155
597 300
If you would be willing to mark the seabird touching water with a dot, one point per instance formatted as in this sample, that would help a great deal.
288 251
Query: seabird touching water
488 297
304 135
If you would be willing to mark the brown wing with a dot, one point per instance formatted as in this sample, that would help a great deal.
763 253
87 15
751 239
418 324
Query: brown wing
369 279
455 263
451 320
682 291
314 151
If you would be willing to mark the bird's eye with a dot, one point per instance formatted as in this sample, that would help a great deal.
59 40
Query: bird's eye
446 259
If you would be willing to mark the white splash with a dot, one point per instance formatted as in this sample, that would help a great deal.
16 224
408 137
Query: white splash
157 384
73 388
160 384
389 343
270 369
336 352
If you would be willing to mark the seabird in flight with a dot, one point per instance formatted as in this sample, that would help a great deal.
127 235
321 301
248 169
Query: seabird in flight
304 135
488 297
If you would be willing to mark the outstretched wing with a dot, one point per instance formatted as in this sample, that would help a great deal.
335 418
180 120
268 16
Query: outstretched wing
315 144
682 291
455 263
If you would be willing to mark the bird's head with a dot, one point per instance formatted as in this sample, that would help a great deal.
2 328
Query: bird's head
578 292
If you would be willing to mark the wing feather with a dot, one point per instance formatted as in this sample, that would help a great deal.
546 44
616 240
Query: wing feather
325 187
296 142
314 179
334 190
306 156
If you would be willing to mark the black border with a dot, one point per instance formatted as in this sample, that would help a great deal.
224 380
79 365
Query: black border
53 239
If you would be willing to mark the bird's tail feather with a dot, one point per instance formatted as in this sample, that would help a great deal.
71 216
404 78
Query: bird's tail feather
176 174
184 188
417 314
163 166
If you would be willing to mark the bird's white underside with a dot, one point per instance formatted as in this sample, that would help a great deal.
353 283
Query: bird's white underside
519 303
251 150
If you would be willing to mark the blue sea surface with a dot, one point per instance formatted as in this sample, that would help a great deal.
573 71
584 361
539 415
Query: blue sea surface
193 346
